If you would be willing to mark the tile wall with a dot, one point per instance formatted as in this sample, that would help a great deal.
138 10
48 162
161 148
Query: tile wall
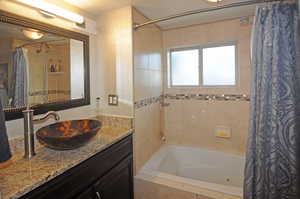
191 119
147 48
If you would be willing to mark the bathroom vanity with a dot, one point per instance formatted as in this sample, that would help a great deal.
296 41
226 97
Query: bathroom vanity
106 175
100 169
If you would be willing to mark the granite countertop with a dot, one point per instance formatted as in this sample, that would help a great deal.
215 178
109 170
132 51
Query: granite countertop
25 175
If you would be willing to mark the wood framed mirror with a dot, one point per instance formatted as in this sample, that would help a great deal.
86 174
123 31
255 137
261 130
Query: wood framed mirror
42 66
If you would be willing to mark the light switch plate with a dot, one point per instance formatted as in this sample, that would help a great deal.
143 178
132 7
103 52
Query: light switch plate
113 100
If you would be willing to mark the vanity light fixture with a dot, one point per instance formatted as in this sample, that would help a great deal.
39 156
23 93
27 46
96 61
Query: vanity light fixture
32 34
51 9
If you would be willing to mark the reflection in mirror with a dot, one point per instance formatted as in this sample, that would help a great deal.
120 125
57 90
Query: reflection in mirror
39 68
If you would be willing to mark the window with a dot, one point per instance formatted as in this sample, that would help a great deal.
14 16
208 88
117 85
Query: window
219 66
203 66
185 64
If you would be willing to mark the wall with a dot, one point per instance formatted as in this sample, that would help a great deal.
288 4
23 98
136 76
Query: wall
147 88
193 122
114 45
15 127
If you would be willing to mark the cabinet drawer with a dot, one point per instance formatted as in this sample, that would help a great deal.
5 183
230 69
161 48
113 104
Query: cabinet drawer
76 179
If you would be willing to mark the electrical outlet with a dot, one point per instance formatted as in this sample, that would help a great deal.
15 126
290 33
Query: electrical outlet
113 100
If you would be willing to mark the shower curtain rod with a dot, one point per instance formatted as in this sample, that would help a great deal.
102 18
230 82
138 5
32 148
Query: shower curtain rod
203 10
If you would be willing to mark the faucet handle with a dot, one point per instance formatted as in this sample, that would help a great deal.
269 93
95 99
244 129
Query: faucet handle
55 114
47 115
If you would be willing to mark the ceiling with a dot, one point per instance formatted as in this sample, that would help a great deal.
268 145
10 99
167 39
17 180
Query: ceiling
161 8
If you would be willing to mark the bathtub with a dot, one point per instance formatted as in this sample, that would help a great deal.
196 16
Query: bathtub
207 173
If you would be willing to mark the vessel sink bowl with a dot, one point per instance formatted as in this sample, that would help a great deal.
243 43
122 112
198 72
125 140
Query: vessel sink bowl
68 135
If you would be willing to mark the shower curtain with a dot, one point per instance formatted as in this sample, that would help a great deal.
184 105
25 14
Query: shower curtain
19 92
273 158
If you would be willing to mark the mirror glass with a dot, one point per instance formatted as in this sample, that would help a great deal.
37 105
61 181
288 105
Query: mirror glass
38 67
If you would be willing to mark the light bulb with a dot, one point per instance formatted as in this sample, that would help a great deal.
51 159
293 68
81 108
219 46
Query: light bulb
32 34
214 1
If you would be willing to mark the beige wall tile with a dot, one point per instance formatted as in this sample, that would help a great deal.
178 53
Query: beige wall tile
226 196
145 190
171 193
147 133
204 197
147 47
192 122
148 190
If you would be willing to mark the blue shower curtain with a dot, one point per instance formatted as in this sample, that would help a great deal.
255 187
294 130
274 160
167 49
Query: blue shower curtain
19 92
273 158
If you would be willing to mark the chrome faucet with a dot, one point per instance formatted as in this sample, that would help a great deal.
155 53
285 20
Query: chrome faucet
29 130
48 114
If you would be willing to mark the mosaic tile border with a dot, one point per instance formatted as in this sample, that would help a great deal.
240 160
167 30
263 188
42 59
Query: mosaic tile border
147 102
209 97
38 93
203 97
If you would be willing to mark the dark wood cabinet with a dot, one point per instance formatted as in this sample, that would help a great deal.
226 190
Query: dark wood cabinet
117 183
106 175
87 194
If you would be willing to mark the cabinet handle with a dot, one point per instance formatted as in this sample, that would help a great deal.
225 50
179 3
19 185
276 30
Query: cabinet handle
98 195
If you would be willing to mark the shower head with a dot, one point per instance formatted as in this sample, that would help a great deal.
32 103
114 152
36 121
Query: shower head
46 48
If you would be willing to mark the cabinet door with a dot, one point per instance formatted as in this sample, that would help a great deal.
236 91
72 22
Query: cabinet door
88 194
117 183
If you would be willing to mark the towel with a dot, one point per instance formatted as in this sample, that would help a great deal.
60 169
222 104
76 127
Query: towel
5 153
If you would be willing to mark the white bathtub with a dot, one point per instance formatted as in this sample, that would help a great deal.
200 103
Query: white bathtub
208 173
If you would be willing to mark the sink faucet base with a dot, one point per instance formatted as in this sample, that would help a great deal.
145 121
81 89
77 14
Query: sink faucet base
28 134
29 131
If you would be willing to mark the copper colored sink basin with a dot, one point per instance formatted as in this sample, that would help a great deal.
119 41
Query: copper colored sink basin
68 135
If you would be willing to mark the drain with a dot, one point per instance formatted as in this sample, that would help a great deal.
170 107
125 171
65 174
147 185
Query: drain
228 180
